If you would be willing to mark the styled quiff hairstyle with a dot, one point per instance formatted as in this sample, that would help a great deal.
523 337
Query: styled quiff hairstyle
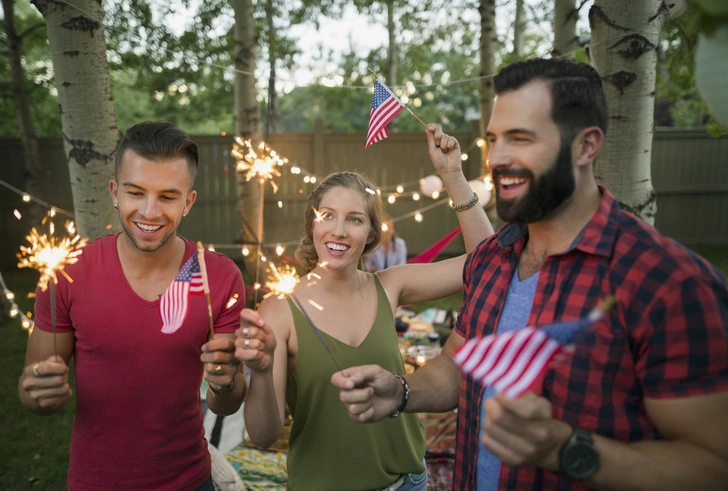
577 96
158 140
306 252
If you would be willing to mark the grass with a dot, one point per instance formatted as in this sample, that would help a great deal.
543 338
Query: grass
34 453
34 450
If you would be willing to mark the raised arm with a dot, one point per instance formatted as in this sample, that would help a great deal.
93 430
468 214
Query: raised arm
445 154
262 344
414 282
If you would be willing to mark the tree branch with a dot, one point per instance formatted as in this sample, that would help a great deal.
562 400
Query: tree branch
29 30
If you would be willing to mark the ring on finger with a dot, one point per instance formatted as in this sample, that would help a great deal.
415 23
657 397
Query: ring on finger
245 332
219 370
35 369
247 343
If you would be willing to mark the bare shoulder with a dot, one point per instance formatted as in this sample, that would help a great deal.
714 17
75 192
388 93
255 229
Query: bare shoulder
277 314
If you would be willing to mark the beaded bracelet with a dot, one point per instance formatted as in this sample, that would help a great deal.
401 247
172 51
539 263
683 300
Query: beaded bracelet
405 395
466 206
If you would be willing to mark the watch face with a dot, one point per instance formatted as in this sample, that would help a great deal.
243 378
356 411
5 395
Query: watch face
580 460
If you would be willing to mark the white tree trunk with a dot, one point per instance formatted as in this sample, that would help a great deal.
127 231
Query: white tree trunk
392 46
488 42
247 124
624 38
565 40
90 132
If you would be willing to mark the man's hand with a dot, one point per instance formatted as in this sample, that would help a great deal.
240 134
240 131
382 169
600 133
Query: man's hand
523 431
47 383
255 342
218 355
444 150
369 392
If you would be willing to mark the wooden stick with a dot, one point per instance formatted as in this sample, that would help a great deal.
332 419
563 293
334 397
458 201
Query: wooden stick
403 104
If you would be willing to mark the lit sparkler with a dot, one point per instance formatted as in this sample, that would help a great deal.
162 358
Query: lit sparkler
282 281
260 162
50 255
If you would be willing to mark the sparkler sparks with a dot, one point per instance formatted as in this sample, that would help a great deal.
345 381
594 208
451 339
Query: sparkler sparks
282 281
50 255
260 162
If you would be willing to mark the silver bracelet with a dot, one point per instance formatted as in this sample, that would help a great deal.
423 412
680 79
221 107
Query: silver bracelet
405 395
466 206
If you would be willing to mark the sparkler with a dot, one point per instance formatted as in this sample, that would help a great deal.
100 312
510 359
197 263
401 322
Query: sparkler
50 256
261 162
282 281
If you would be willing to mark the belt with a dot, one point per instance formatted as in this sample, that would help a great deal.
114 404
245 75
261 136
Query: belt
395 485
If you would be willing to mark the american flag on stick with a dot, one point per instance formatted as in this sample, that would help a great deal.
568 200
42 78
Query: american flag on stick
515 362
191 280
385 106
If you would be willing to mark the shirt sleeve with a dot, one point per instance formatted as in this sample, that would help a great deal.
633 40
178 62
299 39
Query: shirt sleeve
463 320
401 252
42 309
682 340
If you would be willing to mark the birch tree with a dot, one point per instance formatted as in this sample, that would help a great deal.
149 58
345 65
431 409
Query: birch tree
565 39
88 120
247 122
21 92
624 37
488 41
519 29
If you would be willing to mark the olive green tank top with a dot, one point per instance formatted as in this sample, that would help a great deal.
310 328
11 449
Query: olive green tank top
327 450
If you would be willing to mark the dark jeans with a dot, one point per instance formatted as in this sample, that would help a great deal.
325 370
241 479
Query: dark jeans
205 486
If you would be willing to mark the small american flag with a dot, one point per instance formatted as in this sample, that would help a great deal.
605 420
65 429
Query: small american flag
189 281
515 362
385 106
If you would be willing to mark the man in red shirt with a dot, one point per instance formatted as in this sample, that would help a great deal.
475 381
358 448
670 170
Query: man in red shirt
139 422
640 404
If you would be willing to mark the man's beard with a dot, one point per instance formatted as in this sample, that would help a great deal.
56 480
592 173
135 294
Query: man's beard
544 194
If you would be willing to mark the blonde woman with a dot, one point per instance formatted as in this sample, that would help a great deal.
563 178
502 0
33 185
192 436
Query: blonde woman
289 364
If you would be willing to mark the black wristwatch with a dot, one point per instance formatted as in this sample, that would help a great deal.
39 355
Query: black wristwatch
579 458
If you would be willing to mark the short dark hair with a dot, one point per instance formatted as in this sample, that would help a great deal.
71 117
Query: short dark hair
306 252
158 140
577 95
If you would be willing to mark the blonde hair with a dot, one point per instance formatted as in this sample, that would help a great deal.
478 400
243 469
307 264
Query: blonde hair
306 252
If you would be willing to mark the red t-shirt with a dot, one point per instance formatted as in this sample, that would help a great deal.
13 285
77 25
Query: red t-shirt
139 422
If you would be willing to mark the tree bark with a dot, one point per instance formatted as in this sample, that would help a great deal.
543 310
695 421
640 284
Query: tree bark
519 29
247 125
88 119
392 46
33 168
565 40
488 42
270 120
624 41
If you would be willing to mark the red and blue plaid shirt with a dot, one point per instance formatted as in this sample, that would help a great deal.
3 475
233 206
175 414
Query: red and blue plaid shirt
666 336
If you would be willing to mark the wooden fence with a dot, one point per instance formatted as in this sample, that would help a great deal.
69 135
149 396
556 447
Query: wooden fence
689 172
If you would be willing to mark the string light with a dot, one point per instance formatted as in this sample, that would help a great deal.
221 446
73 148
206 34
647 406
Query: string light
418 217
392 198
17 214
416 196
14 309
26 198
280 204
245 251
464 157
400 189
280 249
